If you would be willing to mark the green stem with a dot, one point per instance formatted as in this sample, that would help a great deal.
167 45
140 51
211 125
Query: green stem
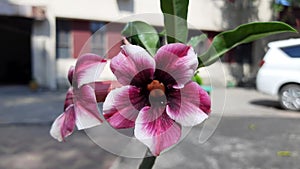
148 161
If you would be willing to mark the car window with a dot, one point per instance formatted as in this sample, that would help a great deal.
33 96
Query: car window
292 51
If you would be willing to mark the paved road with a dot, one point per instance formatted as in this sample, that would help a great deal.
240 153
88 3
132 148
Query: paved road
238 143
254 133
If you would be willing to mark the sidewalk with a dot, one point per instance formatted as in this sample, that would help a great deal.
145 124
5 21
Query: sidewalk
18 104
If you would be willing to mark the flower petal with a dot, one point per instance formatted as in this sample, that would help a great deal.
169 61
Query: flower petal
122 106
178 60
156 130
69 98
86 108
205 101
64 124
88 69
188 106
71 74
107 74
103 88
133 65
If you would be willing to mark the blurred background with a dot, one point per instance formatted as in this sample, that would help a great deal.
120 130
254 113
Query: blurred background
41 39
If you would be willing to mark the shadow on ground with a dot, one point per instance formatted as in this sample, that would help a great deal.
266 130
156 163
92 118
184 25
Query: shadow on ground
266 103
31 146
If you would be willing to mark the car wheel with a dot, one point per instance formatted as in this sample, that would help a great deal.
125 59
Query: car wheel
289 97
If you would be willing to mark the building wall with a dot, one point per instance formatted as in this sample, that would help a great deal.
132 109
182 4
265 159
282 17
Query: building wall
82 40
114 39
219 15
43 51
215 15
208 15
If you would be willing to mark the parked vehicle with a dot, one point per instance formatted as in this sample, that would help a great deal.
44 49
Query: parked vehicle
279 73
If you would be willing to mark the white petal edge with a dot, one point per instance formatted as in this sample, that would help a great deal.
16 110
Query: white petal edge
55 130
91 71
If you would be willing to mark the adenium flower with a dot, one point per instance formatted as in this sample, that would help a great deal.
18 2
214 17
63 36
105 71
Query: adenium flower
80 106
157 96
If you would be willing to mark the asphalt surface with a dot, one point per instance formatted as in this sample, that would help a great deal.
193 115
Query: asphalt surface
253 133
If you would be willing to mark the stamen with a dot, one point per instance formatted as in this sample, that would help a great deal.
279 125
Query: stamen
156 88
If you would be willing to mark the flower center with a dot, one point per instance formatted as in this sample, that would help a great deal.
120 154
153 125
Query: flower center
157 95
156 88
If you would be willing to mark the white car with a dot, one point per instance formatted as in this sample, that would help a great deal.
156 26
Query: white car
279 73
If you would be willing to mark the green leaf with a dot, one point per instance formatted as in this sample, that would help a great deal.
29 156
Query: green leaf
246 33
175 16
194 41
142 34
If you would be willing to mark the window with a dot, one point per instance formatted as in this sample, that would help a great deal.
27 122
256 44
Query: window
63 39
98 41
292 51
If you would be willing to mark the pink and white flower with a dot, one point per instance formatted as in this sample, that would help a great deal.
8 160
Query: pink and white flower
158 96
80 106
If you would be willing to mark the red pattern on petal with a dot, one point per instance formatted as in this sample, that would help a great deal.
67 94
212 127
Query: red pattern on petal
69 98
68 122
71 74
122 106
188 106
205 101
177 60
132 64
86 108
177 49
156 129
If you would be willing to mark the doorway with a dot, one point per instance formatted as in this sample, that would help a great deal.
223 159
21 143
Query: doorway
15 50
